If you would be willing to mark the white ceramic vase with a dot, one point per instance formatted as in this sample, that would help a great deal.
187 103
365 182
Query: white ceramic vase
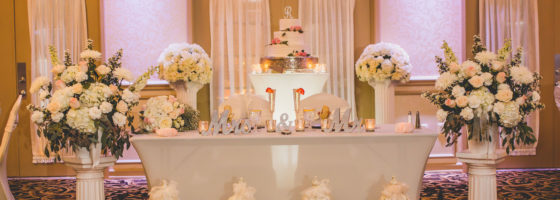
186 92
384 101
89 166
484 146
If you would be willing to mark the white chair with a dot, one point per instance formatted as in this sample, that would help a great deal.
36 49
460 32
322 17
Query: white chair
241 106
317 102
11 124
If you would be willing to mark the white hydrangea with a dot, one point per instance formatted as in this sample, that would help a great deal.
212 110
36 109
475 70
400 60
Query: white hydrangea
488 78
129 96
43 94
521 75
510 115
106 107
474 101
122 107
80 76
69 74
79 120
119 119
38 83
95 113
56 117
535 96
123 74
485 57
485 96
90 54
445 80
467 113
441 115
95 94
165 122
37 117
102 70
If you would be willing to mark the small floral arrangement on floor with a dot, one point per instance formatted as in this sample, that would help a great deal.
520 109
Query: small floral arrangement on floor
301 53
85 100
492 88
166 112
185 62
277 41
383 61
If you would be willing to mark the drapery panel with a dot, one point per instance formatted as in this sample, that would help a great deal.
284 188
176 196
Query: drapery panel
240 30
329 34
62 24
517 20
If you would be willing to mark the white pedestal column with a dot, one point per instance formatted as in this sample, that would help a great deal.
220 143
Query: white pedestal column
384 101
482 174
89 179
186 92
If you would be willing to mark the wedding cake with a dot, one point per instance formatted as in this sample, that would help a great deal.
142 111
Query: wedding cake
287 50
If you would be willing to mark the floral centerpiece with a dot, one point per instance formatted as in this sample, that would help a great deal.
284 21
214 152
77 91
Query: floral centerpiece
187 67
380 64
166 112
86 103
485 94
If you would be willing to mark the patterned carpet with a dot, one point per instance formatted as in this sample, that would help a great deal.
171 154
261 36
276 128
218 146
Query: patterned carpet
512 184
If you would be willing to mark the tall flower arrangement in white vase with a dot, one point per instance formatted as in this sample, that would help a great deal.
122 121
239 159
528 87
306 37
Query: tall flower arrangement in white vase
86 105
491 95
380 64
187 68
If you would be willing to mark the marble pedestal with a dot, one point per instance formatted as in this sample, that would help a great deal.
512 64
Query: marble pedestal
89 179
482 174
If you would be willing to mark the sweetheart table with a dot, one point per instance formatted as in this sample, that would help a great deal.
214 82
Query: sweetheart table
281 166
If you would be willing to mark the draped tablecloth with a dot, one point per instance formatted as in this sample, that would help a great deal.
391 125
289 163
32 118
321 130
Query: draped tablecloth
281 166
312 83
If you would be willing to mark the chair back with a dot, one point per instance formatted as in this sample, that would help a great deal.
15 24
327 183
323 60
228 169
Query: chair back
242 105
11 125
317 102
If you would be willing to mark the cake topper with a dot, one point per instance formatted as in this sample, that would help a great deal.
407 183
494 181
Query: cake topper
288 12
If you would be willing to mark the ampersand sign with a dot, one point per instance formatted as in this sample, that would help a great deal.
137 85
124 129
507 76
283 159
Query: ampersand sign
282 125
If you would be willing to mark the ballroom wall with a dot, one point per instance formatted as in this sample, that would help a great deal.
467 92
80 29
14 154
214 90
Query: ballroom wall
15 47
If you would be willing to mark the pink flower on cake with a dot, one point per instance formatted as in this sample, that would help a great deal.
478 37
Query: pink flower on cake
275 41
295 28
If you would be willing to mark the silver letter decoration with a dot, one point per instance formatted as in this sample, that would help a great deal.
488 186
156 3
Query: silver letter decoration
219 122
342 124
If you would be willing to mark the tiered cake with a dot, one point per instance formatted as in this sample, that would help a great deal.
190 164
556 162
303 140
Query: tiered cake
287 51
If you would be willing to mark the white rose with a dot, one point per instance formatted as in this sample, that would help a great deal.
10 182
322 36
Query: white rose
122 107
167 108
37 117
441 115
81 76
499 107
165 122
102 70
58 69
56 117
504 95
474 101
520 100
487 78
106 107
476 81
94 113
467 113
536 97
77 88
458 91
503 87
470 68
119 119
454 67
462 101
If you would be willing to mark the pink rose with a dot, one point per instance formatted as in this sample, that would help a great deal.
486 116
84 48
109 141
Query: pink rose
462 101
476 81
470 70
59 84
166 132
74 103
450 103
114 89
501 77
181 111
454 67
147 120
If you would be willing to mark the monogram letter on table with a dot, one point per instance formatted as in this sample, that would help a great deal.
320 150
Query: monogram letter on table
485 94
380 64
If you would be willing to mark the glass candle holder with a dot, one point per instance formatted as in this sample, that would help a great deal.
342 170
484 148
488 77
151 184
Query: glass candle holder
325 124
202 126
300 125
369 124
270 126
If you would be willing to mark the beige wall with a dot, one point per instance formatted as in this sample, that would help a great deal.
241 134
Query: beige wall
14 47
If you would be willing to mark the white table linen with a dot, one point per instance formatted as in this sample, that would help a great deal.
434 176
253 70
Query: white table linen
281 166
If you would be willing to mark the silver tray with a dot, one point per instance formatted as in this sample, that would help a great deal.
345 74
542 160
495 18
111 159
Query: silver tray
283 64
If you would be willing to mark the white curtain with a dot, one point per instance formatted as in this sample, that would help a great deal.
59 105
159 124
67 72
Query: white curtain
329 33
62 24
516 20
239 29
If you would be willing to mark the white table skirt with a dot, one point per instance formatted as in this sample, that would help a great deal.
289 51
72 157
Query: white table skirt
281 166
312 83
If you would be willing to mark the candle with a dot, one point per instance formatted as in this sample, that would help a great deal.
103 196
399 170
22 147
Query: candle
271 126
265 67
202 126
300 125
370 125
309 66
325 124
